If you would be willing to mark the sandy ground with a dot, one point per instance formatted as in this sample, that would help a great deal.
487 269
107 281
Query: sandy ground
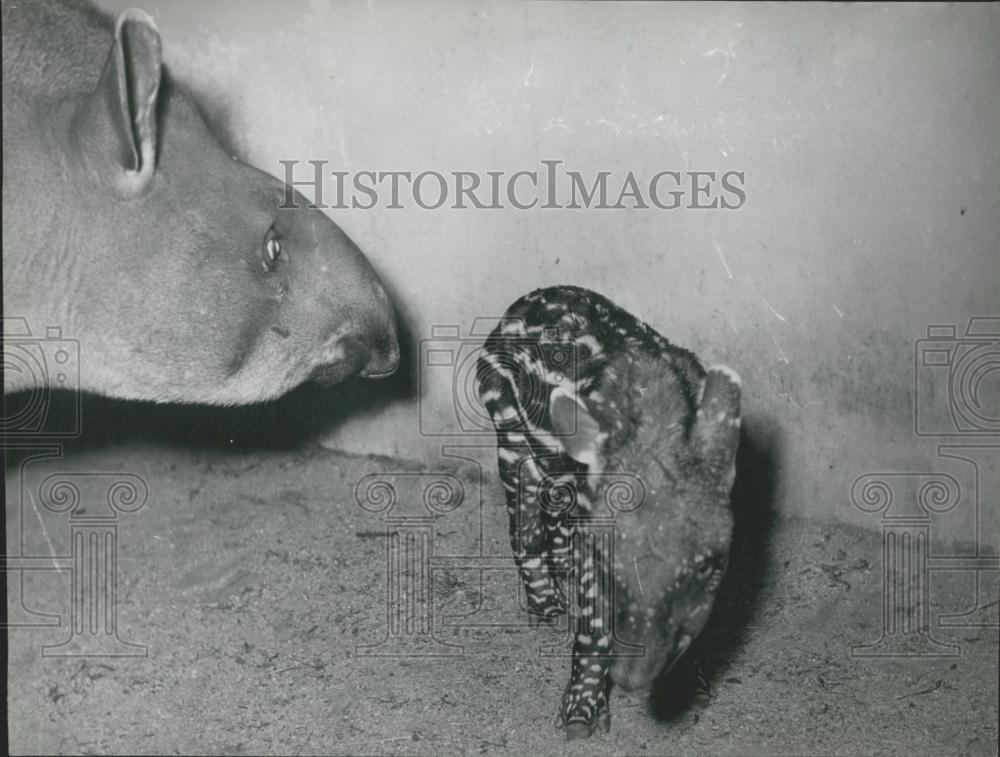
255 581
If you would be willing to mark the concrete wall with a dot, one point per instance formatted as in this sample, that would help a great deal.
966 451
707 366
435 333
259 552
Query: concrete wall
868 140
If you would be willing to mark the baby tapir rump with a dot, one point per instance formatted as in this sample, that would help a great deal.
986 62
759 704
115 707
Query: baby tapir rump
129 227
617 455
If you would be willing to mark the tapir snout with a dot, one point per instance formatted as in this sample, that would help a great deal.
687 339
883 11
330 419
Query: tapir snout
330 296
637 674
184 274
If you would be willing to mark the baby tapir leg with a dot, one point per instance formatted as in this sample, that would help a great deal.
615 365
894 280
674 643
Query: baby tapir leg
521 476
585 702
519 473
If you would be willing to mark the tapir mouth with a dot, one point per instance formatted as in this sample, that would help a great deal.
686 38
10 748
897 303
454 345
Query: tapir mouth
381 364
381 367
637 674
352 357
328 375
347 357
383 374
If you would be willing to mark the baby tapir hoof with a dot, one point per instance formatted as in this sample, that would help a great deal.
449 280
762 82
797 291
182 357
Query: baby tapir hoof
580 716
576 731
584 730
585 701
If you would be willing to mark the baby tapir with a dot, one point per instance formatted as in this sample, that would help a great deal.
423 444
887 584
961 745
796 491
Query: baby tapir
184 274
598 416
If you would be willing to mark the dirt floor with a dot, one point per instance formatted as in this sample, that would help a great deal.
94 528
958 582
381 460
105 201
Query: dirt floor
258 587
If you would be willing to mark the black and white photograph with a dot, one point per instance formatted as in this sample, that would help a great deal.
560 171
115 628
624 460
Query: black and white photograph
494 377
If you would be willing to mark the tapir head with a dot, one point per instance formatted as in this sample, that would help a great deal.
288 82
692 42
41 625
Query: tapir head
195 277
672 544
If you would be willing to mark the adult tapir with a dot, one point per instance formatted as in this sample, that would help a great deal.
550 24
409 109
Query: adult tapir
130 227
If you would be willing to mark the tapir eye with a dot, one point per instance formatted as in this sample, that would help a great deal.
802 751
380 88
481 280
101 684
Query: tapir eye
704 567
272 250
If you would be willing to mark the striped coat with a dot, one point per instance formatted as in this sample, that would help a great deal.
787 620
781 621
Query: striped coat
615 502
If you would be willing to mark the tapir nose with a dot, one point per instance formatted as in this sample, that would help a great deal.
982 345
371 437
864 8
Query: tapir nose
367 344
382 362
637 674
353 304
382 338
355 355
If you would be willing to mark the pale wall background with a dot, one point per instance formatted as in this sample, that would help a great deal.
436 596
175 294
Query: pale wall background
869 138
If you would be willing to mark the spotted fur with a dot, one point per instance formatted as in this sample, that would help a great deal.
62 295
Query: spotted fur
616 453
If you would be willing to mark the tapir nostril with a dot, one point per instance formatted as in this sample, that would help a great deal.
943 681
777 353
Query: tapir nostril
382 339
355 354
382 363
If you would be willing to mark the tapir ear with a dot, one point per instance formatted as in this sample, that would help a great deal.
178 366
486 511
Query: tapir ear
115 126
717 429
575 428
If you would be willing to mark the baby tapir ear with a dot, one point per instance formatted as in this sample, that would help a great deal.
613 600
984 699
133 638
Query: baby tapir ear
575 428
115 126
717 429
